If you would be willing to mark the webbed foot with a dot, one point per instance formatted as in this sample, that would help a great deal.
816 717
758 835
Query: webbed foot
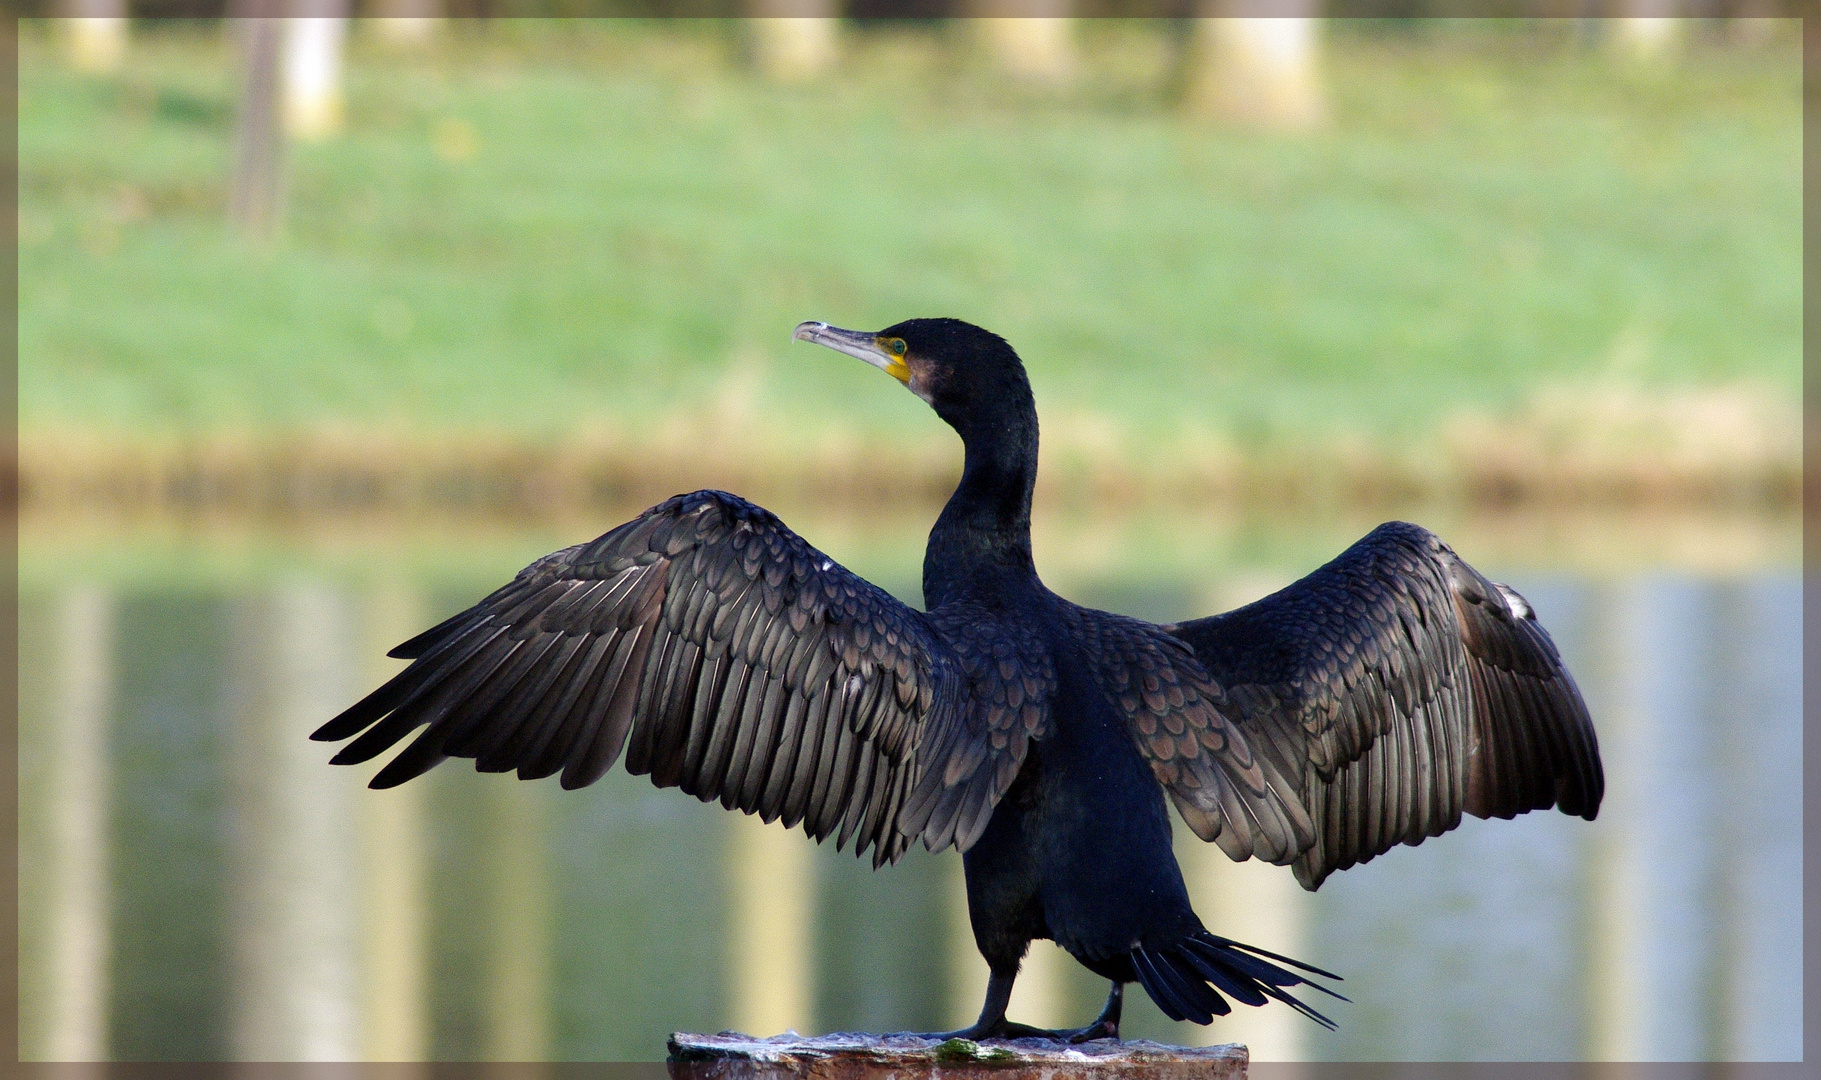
993 1024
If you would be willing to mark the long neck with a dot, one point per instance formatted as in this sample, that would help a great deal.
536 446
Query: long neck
982 540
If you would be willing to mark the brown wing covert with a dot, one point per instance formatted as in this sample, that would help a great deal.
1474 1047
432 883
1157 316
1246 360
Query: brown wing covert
1224 791
1006 678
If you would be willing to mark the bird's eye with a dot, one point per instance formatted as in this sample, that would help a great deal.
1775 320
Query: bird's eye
896 345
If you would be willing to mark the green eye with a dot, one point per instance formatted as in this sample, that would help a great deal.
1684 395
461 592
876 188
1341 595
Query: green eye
896 345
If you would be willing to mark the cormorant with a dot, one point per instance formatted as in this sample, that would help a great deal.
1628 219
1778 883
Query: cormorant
1367 705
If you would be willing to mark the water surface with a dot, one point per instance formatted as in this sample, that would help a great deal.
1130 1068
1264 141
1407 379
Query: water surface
197 883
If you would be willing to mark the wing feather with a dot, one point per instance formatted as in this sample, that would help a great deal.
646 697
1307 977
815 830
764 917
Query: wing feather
1399 688
721 654
784 765
544 756
809 753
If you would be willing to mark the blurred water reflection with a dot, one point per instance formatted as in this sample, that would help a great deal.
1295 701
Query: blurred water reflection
197 883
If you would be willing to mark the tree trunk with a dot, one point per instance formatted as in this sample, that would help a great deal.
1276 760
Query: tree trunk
405 24
792 40
258 187
1648 30
312 68
1255 71
1029 39
94 33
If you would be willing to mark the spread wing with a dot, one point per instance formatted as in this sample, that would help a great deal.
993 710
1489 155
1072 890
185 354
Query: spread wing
1223 789
722 652
1398 687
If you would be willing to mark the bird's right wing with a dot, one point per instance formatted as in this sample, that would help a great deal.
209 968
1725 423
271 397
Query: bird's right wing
1399 687
726 655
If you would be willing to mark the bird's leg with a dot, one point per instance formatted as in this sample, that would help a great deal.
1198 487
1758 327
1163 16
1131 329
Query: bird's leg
991 1024
1105 1026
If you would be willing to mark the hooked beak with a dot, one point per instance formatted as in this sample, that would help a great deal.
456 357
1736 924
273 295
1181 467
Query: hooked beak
859 344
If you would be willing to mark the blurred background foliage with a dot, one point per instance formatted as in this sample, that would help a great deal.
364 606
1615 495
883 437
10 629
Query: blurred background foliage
560 261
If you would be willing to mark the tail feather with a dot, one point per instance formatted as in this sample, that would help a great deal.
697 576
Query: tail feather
1185 978
1217 974
1298 964
1182 995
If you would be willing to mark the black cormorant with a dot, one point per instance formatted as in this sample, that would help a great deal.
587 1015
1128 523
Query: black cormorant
1367 705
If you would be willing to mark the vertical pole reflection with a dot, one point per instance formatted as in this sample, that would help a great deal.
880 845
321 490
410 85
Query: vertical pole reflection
74 862
294 922
1615 880
1651 855
1262 905
967 968
772 877
1253 901
1755 706
1040 997
518 976
395 1024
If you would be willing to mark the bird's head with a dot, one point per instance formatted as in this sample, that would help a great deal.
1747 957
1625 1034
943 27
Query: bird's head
964 372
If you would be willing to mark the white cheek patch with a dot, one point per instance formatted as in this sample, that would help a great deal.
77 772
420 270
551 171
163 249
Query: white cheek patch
921 389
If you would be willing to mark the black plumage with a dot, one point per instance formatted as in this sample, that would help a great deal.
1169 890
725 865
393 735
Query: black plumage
1370 704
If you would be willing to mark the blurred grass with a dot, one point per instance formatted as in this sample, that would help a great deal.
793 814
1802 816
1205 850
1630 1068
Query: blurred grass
554 235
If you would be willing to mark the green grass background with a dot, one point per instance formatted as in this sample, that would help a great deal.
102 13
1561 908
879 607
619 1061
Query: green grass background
552 229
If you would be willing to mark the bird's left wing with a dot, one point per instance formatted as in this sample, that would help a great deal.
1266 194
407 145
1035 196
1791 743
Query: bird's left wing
726 655
1398 687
